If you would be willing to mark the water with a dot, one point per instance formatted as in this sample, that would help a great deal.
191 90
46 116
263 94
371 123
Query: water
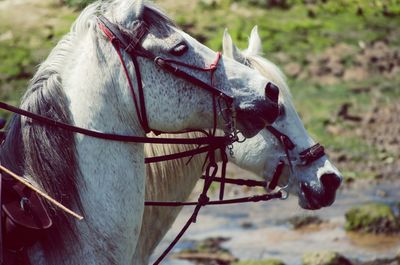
261 230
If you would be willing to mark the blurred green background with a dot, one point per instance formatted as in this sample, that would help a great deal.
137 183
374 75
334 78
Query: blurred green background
342 59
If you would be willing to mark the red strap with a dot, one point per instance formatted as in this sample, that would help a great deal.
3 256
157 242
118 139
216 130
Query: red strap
117 48
106 31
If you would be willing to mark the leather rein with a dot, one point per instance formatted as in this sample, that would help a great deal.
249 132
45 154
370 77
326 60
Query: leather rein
129 41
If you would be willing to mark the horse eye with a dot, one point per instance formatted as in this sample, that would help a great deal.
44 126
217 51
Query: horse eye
180 49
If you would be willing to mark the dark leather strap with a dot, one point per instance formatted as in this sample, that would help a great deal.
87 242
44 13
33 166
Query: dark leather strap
214 140
211 171
283 138
241 182
275 178
254 198
168 66
311 154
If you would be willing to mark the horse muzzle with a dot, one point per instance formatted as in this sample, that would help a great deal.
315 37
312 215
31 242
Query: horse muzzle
323 196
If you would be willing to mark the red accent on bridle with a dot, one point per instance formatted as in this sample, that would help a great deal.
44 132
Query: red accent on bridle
130 41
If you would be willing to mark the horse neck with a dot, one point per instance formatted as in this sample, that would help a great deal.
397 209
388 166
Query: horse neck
111 185
167 181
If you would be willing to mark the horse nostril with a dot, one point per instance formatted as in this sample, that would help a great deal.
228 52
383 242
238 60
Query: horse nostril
272 92
331 181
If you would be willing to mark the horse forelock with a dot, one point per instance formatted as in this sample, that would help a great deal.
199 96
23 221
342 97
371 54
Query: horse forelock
272 72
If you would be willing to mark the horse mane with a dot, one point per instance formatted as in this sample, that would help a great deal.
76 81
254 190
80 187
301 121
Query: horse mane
44 154
270 71
164 171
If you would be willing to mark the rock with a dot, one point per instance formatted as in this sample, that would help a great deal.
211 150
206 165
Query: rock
212 244
302 221
206 258
372 218
208 251
247 225
260 262
324 258
384 261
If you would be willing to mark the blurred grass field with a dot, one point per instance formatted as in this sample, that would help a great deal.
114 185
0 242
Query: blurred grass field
342 59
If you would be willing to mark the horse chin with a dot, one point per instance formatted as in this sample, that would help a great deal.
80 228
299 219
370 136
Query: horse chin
314 198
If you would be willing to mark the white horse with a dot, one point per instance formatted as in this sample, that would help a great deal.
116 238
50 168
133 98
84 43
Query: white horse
174 180
83 83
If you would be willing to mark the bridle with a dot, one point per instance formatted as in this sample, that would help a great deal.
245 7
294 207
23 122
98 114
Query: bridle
129 41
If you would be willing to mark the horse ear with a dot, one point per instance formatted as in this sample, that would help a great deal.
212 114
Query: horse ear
128 10
255 46
227 44
229 48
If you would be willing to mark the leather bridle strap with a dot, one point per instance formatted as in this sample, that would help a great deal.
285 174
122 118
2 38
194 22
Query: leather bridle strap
277 174
168 65
214 140
119 41
254 198
311 154
203 199
282 138
130 41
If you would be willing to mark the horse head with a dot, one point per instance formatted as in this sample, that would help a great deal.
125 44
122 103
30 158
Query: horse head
309 173
185 84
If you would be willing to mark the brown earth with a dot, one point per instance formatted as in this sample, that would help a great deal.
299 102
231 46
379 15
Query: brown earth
344 62
380 129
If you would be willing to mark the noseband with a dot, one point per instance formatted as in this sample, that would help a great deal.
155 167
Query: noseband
304 158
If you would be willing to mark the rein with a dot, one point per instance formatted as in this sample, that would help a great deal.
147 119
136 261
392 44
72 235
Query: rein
306 157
